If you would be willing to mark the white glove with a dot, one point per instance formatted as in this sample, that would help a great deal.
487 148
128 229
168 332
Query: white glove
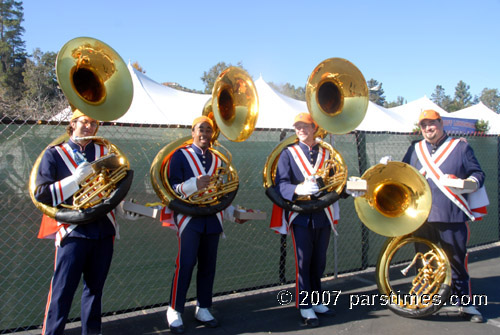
126 214
384 160
229 213
355 193
82 172
307 188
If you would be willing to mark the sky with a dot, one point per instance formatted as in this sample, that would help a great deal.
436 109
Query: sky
408 46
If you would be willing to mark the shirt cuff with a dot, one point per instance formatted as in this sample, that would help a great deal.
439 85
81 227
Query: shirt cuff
187 188
63 189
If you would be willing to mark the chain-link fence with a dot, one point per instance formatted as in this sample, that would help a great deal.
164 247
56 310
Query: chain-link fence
251 256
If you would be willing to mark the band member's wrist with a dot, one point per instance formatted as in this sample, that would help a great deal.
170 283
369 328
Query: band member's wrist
187 188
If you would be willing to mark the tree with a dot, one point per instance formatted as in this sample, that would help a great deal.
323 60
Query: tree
211 75
376 92
42 97
39 74
440 98
482 126
12 48
462 98
180 87
491 98
138 67
399 102
290 90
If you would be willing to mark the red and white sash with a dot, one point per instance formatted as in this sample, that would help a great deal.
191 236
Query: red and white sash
476 206
50 228
279 221
166 216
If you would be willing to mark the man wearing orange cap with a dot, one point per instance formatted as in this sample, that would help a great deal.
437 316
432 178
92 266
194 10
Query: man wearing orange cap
295 178
439 157
189 170
81 249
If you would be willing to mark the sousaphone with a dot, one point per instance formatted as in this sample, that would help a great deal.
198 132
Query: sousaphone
397 202
337 99
96 81
234 108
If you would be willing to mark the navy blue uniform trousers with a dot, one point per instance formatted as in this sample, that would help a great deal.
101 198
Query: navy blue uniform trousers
194 246
453 238
310 245
75 256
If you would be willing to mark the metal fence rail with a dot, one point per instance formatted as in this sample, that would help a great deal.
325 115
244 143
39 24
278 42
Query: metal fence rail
251 256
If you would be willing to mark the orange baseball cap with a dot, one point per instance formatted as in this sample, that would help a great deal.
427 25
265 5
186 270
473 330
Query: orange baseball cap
76 114
303 117
201 119
429 114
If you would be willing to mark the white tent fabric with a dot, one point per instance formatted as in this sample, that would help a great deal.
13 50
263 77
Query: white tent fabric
378 118
409 112
65 115
480 112
275 109
154 103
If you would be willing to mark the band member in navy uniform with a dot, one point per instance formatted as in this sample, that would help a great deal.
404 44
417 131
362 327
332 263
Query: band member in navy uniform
189 170
80 249
439 157
310 232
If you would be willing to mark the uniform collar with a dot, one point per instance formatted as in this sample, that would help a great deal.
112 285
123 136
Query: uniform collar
198 150
433 147
439 142
308 148
77 146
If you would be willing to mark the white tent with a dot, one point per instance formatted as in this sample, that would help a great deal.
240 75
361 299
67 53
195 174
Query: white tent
378 118
480 112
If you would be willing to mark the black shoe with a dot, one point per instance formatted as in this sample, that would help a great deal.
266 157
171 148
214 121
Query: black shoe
311 322
210 324
177 330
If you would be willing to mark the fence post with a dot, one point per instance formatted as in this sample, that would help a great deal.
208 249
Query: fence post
282 270
282 264
362 165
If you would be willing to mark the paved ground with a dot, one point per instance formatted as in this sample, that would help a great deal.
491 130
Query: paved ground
260 313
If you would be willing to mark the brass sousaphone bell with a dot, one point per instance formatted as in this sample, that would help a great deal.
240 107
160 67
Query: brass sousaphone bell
337 96
234 109
94 78
96 81
337 99
397 202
